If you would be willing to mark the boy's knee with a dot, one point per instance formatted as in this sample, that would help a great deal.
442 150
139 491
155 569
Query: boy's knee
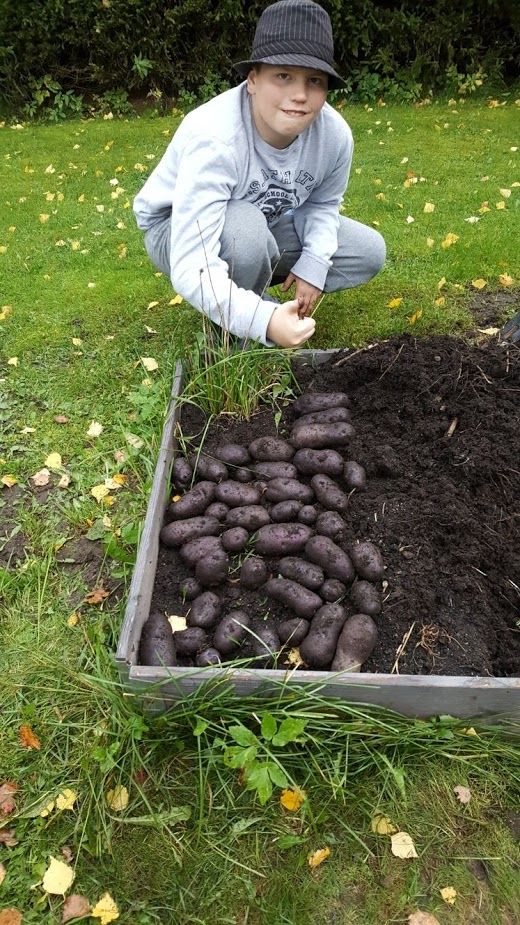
375 254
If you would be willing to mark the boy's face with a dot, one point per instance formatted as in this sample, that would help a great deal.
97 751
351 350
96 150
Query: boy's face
285 100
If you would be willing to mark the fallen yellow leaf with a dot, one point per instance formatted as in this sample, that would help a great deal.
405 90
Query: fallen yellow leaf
394 303
177 300
64 481
382 825
152 304
429 207
95 429
150 364
119 479
96 596
8 480
484 208
58 877
177 623
47 810
117 798
505 193
403 846
440 301
292 799
99 492
500 205
505 279
53 461
105 910
449 895
73 620
43 217
66 799
5 311
463 794
12 361
449 240
479 283
29 738
430 242
441 284
318 857
412 319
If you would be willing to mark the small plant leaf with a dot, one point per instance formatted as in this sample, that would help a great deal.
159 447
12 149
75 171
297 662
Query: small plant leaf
290 731
277 775
269 726
243 736
257 778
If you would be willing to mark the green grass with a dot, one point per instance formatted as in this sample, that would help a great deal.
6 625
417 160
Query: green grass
233 860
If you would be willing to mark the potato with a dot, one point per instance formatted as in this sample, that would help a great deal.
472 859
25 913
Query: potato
367 560
205 467
366 598
180 531
235 539
291 632
320 436
309 402
356 642
309 462
243 475
288 490
271 449
204 610
182 473
327 416
208 657
266 646
196 549
319 646
305 573
237 494
157 646
194 502
189 641
332 590
275 470
231 631
285 511
217 509
281 539
212 569
329 494
333 560
189 588
303 602
307 515
251 517
354 475
330 524
253 572
233 453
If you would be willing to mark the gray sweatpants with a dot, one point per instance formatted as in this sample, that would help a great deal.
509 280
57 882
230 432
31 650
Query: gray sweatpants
259 257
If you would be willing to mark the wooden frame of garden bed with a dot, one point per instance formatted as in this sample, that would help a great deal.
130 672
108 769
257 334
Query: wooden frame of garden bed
159 687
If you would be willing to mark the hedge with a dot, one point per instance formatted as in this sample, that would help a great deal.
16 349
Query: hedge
91 46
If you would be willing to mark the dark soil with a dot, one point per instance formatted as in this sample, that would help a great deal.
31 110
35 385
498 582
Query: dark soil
438 431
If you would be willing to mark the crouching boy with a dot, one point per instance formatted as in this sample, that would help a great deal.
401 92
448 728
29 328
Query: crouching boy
248 192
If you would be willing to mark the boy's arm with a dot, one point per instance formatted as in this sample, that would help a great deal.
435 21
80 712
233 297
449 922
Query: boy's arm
317 221
203 188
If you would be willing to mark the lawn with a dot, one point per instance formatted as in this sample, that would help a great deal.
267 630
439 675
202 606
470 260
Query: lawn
89 339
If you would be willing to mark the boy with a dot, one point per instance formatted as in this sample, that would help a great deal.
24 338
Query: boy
248 192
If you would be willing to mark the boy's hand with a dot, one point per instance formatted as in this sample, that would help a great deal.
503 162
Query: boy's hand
287 327
307 294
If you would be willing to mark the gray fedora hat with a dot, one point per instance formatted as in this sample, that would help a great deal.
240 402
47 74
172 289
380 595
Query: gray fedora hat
296 32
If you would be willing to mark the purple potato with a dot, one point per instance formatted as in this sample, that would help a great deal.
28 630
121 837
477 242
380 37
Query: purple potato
329 494
233 453
303 602
281 539
366 598
334 561
204 611
179 532
189 588
271 449
288 490
231 631
275 470
354 475
235 539
251 517
310 402
206 467
253 572
182 473
330 524
307 515
285 511
305 573
243 475
237 494
367 560
266 647
356 642
190 640
319 646
310 462
157 646
213 569
217 509
208 657
291 632
332 590
321 436
197 549
194 502
327 416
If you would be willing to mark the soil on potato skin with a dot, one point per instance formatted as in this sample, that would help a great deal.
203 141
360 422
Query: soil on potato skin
438 431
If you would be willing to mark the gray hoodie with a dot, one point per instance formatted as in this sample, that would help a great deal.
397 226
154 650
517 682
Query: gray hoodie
216 155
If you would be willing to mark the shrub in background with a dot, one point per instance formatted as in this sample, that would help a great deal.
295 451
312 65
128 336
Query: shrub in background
403 48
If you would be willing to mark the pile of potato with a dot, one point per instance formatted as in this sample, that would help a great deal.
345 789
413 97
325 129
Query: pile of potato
277 505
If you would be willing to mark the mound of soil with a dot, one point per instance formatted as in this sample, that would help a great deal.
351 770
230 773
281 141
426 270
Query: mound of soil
438 431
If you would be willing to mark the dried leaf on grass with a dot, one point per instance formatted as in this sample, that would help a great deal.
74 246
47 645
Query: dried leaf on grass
10 916
422 918
463 794
58 877
53 461
449 895
318 857
74 907
41 478
96 596
105 910
3 873
28 738
382 825
403 846
292 799
7 838
117 798
7 802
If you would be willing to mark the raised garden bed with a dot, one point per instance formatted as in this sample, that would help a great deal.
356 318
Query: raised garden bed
437 428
